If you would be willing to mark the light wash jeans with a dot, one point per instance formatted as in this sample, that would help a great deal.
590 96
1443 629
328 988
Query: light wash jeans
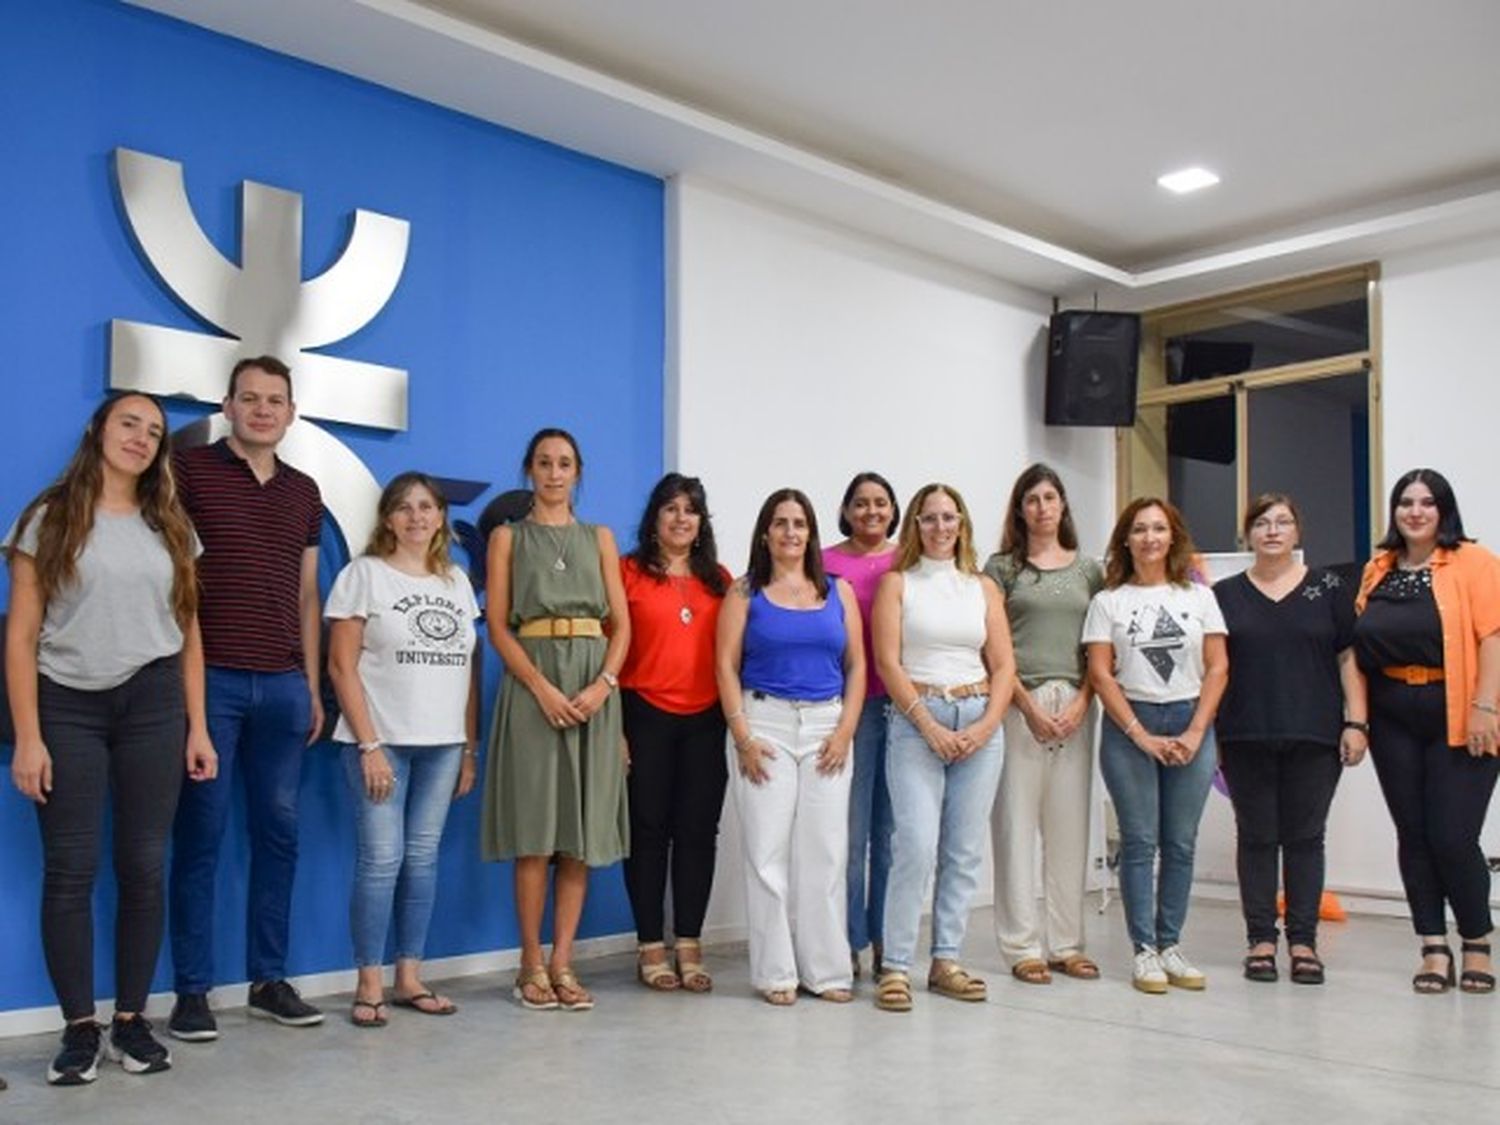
1158 808
796 837
942 813
870 828
397 856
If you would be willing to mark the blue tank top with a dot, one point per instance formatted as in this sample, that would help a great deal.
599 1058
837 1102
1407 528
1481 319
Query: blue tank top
794 653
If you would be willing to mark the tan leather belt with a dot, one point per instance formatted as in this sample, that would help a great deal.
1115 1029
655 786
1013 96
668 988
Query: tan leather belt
561 628
962 691
1415 675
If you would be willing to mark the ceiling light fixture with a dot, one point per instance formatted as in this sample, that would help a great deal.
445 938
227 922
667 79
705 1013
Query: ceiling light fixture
1188 179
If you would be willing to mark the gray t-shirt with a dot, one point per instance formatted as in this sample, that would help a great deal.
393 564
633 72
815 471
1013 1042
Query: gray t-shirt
116 616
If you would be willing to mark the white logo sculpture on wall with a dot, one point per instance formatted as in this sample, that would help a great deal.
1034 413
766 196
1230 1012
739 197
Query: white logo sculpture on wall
266 307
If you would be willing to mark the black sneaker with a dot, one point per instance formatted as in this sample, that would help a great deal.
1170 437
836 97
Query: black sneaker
78 1062
277 1000
132 1045
191 1019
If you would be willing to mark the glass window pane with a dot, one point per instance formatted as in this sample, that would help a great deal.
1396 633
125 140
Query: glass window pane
1312 441
1269 331
1201 469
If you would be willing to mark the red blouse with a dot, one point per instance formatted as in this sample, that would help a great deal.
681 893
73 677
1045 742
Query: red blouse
672 625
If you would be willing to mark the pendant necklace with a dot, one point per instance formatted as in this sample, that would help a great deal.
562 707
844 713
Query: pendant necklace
559 564
685 614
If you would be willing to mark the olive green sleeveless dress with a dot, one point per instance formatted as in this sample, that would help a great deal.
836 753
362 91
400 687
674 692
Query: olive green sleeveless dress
550 791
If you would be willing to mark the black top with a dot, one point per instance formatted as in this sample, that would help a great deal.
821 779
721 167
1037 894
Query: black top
1400 624
1283 659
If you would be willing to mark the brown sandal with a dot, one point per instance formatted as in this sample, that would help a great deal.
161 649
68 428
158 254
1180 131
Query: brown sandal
893 991
949 978
690 968
1031 971
1075 965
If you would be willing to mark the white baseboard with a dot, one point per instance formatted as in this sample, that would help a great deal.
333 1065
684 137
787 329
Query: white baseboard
35 1021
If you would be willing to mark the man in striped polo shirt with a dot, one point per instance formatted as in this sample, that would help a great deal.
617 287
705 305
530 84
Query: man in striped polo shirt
259 521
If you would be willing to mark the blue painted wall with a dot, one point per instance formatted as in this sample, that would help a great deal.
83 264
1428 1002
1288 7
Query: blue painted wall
533 295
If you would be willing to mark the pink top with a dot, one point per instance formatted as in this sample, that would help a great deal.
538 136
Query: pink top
862 572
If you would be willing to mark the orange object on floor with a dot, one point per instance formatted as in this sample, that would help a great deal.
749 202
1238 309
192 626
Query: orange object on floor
1330 909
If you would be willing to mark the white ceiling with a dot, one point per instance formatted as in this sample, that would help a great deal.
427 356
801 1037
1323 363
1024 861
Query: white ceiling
1020 138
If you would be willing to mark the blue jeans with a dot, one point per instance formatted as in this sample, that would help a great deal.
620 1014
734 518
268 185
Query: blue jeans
397 856
1158 808
942 813
258 720
870 827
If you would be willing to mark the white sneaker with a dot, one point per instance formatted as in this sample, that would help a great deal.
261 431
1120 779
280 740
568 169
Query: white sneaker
1148 975
1180 971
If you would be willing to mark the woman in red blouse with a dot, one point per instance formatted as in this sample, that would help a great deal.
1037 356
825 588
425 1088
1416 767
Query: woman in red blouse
674 586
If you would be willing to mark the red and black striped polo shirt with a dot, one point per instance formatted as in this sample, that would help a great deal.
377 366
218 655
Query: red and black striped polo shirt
250 571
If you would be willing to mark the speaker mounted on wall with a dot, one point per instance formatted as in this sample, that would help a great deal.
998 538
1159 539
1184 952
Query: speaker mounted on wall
1091 368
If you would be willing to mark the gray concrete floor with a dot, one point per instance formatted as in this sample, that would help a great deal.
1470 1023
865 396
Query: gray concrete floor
1363 1048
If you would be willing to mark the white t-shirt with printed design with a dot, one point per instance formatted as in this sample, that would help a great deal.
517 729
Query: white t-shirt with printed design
1157 633
417 652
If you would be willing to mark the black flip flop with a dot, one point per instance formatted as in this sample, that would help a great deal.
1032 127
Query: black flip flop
412 1002
376 1020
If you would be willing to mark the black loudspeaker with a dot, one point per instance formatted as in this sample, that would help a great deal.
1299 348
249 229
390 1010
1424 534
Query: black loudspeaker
1091 367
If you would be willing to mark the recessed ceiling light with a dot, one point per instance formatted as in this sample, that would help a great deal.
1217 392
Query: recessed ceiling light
1188 179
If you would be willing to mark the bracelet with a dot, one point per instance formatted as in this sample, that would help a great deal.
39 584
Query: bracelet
611 679
912 706
471 752
1135 722
1487 708
740 714
1353 724
369 747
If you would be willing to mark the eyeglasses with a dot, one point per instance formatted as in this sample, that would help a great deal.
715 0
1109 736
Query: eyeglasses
1281 523
939 519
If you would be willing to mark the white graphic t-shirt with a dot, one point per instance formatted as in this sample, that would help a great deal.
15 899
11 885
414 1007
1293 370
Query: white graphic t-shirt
1157 633
417 653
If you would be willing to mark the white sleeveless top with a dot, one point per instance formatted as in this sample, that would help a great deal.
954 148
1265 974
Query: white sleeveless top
942 624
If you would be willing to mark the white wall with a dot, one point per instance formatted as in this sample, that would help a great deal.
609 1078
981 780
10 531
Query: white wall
804 354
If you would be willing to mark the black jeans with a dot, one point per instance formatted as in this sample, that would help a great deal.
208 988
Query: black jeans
678 771
128 741
1281 792
1438 796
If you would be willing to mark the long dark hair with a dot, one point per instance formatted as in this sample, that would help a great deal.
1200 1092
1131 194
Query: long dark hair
703 557
382 542
1119 567
758 573
1015 543
70 501
1450 531
868 477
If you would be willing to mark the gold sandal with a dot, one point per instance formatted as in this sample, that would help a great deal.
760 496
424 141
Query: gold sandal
893 991
690 970
569 990
1031 970
949 979
655 975
536 979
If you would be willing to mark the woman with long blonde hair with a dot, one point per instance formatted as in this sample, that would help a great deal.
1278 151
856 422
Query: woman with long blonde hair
104 666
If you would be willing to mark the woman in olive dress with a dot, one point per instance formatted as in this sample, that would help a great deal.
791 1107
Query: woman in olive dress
555 786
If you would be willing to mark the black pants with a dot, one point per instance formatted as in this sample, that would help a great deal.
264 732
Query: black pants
1281 792
127 741
1438 796
678 772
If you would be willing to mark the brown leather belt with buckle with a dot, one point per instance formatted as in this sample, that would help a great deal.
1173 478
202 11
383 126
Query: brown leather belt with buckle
1415 675
561 628
961 691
